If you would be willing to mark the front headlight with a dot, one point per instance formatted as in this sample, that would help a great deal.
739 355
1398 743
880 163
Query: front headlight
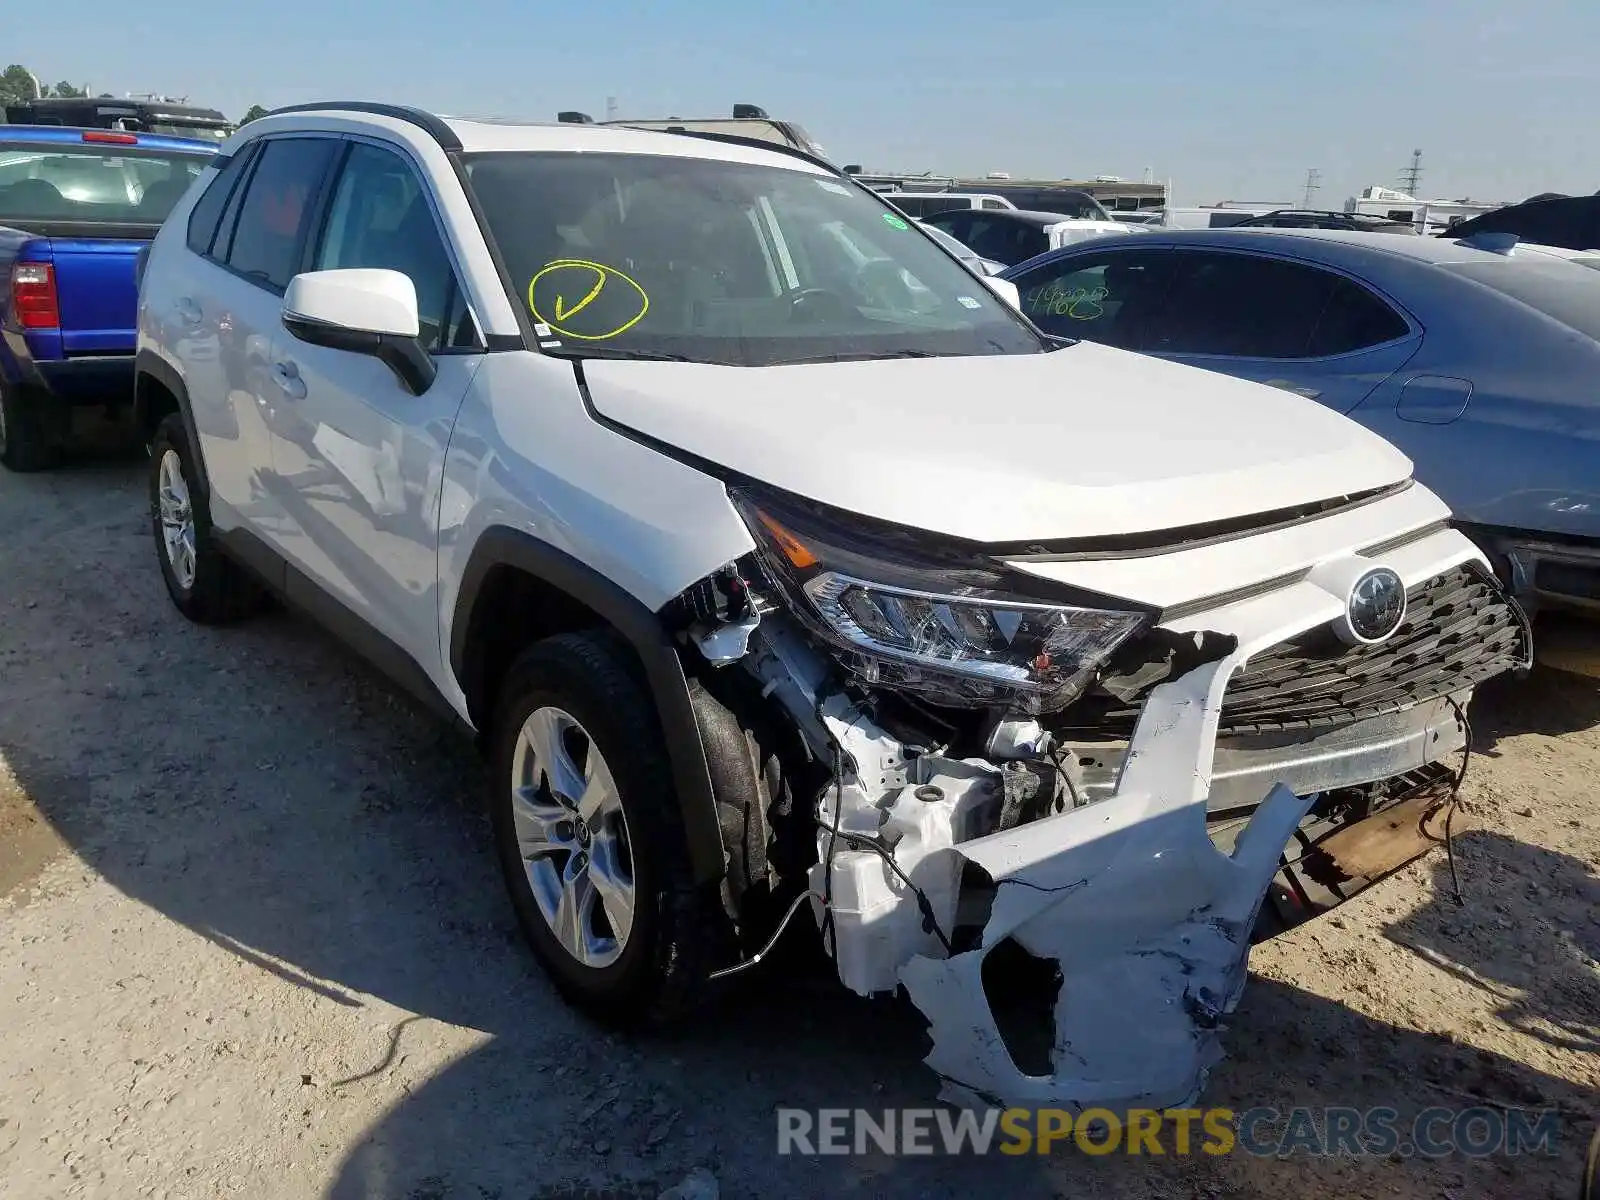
903 611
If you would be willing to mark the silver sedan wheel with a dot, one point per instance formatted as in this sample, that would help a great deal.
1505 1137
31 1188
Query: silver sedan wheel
572 837
177 519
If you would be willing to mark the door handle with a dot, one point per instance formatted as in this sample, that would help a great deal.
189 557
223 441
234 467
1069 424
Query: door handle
188 311
287 376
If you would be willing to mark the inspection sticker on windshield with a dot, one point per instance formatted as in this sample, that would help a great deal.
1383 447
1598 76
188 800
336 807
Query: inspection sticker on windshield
895 222
967 302
829 185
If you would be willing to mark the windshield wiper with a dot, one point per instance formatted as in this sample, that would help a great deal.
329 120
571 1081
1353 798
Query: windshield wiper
618 353
869 356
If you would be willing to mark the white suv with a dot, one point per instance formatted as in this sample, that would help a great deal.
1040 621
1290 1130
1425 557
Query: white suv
773 555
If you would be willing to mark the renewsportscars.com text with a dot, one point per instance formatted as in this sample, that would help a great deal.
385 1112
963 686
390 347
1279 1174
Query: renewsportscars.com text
1270 1132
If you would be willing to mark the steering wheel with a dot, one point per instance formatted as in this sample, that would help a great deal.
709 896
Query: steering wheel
883 282
816 303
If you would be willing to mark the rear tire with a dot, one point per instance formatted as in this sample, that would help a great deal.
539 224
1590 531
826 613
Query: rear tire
24 442
205 585
639 953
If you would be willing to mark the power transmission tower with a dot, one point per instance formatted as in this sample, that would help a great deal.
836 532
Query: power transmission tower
1411 177
1313 182
611 108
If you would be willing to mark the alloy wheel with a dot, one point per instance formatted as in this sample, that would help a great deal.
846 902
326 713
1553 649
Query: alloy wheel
177 519
572 836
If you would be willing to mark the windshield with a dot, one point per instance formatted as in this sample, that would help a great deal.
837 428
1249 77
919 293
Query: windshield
206 131
949 242
1549 285
636 255
1086 208
112 184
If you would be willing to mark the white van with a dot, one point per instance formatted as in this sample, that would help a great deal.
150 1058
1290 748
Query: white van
925 204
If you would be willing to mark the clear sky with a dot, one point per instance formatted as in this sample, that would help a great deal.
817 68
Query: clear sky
1230 100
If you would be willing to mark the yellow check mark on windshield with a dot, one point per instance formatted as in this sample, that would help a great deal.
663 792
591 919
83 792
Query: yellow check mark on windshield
563 312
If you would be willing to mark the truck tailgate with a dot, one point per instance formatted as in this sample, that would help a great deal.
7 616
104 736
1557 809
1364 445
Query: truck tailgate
96 290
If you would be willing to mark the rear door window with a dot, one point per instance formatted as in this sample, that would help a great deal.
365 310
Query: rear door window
206 216
1109 298
277 209
912 206
1241 306
958 224
1005 240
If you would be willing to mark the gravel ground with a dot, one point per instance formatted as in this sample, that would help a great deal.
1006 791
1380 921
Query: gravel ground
254 945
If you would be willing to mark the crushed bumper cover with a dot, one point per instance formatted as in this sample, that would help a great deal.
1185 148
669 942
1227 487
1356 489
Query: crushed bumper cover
1149 922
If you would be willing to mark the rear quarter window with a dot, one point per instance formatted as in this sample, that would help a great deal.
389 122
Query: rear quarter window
1354 319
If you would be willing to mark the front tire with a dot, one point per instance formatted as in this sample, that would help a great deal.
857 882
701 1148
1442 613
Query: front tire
206 586
589 836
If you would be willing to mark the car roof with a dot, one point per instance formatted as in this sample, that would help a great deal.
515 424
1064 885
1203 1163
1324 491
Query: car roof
489 135
59 135
1335 246
1024 216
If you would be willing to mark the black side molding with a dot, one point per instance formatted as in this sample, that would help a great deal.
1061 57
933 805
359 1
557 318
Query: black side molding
299 592
426 121
663 670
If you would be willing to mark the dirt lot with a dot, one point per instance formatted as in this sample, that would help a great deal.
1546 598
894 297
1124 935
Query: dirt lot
254 945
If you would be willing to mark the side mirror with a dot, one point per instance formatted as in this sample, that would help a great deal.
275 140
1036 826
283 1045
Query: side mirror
362 311
1005 289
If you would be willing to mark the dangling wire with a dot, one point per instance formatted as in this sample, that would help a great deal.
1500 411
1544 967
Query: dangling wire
772 941
1455 800
829 935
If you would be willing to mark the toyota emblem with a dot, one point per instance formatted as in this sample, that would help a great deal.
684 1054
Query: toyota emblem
1376 606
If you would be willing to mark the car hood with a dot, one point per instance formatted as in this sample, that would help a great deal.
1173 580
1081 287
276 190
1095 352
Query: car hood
1080 442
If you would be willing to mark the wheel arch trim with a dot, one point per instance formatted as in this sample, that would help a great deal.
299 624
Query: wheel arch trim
501 546
148 362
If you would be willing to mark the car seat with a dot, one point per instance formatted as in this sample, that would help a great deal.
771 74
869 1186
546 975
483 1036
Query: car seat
35 198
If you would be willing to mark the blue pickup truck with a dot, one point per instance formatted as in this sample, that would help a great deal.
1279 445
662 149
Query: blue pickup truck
77 207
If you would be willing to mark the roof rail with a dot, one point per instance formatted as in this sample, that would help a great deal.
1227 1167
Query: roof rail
433 126
734 139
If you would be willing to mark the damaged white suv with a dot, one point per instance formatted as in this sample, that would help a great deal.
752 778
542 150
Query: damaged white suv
773 555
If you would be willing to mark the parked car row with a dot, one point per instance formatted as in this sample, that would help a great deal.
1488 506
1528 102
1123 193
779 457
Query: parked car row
781 560
1013 236
1478 363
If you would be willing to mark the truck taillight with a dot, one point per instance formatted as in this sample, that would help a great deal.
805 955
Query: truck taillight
33 295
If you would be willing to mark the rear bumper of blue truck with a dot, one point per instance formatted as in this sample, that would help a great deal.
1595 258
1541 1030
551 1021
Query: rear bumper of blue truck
101 380
35 361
